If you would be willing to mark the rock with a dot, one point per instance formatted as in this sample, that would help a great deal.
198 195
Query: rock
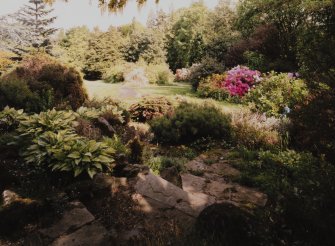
158 189
9 197
18 212
70 221
130 170
172 175
93 234
86 190
227 224
106 128
221 191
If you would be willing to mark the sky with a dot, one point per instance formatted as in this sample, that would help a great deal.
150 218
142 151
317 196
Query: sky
87 12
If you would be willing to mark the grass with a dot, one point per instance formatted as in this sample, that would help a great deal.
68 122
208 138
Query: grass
129 95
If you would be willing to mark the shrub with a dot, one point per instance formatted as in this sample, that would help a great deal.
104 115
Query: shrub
16 93
159 163
256 131
211 87
114 74
301 193
191 122
276 92
313 125
150 108
239 80
65 151
52 83
159 74
10 119
207 67
182 74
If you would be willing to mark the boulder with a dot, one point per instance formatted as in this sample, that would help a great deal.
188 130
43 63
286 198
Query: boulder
227 224
129 170
18 212
172 175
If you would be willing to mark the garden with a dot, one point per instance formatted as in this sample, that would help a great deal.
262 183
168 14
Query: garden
206 126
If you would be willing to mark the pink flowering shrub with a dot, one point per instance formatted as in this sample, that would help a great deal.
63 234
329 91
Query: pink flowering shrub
182 74
235 83
240 80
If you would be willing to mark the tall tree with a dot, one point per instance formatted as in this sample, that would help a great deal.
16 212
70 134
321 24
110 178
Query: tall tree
36 17
13 35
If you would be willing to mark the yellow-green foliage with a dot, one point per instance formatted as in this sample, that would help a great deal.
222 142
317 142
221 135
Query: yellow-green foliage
275 92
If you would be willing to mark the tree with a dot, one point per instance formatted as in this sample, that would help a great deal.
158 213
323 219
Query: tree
72 47
13 36
188 26
36 17
220 33
104 50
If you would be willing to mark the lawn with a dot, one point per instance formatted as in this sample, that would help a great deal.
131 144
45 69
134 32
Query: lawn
129 94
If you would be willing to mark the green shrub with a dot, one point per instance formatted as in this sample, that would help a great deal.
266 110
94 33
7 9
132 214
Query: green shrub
159 74
16 93
114 74
313 125
65 151
150 108
32 126
207 67
256 131
159 163
210 88
51 83
191 122
275 92
301 193
10 119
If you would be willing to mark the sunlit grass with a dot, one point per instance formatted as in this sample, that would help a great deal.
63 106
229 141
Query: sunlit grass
129 95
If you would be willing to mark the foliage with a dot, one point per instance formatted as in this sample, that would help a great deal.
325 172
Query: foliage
191 122
239 80
115 74
10 119
211 87
159 163
65 151
150 108
103 51
72 46
16 93
159 74
186 41
275 92
32 126
52 83
207 67
35 17
313 125
256 131
301 193
6 61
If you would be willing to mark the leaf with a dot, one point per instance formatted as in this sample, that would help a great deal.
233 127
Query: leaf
74 155
91 172
77 171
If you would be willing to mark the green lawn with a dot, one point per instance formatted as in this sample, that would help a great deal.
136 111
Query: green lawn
128 95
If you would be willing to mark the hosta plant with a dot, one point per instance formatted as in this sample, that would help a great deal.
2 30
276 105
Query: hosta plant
51 120
10 119
65 151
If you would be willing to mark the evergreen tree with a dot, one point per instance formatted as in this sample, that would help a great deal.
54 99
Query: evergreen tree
36 17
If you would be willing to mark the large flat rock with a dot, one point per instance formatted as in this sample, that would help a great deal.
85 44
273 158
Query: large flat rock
160 190
222 191
93 234
70 221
